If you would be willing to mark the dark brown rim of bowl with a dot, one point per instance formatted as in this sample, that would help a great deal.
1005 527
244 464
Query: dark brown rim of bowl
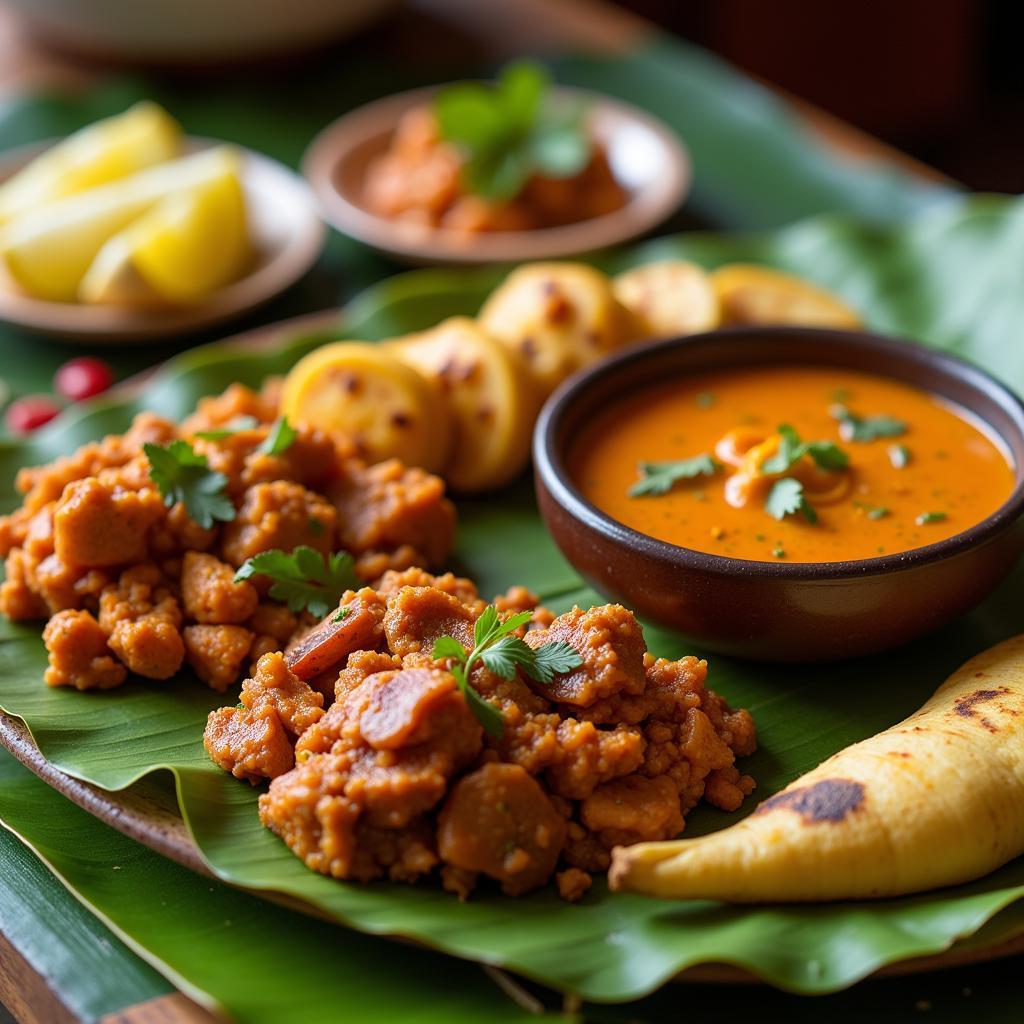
806 346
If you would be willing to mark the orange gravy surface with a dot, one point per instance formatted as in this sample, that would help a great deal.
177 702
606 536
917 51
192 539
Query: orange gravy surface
956 475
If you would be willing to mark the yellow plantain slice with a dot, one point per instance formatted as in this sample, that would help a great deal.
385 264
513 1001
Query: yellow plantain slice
557 317
669 297
492 400
750 294
357 391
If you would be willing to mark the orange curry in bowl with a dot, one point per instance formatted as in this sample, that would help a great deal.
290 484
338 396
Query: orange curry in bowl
792 463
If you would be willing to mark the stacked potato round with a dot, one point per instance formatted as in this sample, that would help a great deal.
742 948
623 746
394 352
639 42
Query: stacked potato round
461 398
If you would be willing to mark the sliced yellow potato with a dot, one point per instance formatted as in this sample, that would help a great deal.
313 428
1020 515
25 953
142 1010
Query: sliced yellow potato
751 294
48 250
113 148
669 297
492 399
357 391
187 246
557 317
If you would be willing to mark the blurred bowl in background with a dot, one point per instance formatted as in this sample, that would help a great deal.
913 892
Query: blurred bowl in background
193 31
647 158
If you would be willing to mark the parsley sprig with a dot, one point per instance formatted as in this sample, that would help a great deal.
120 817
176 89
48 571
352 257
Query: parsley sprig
304 579
497 648
508 130
280 438
827 455
181 474
787 498
660 477
866 428
233 426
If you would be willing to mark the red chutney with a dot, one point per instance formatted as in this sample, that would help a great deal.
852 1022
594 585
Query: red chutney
930 469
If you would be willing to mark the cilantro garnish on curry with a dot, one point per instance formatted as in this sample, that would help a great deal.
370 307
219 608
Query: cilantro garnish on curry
777 467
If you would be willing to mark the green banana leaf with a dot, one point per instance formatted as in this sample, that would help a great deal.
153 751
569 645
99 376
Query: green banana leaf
227 950
951 279
350 976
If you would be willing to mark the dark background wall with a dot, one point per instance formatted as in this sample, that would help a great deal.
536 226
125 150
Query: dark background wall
940 79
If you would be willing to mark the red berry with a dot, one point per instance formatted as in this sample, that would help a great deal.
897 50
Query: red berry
29 413
82 378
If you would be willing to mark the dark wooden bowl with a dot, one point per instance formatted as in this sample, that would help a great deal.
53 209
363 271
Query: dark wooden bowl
770 610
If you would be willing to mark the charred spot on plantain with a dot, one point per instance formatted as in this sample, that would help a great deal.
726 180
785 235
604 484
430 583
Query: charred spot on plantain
829 800
965 706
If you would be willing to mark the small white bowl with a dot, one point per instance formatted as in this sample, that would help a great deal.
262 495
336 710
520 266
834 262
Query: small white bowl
287 233
646 157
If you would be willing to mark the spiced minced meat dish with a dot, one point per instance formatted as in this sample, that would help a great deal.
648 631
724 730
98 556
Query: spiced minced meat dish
406 727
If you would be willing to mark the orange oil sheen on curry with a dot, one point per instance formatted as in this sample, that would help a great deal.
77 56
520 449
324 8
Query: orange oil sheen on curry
862 466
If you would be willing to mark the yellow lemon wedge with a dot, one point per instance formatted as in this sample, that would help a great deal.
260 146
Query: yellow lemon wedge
188 245
110 149
752 294
48 250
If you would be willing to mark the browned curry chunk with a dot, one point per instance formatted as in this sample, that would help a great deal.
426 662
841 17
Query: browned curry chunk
95 525
499 822
355 625
418 616
78 653
633 809
384 506
210 594
280 514
217 653
402 705
150 646
274 687
251 746
610 642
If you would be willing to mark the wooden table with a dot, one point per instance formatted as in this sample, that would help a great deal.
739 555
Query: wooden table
42 932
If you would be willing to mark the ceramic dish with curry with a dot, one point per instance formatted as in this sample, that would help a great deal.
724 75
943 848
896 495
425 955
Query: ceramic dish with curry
784 493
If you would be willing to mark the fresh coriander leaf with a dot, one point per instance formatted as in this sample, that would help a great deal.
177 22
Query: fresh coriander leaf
304 579
930 517
872 511
505 655
866 428
790 450
787 498
899 456
552 659
448 647
826 454
485 626
183 475
340 615
778 551
485 713
233 426
560 149
513 622
521 87
280 439
660 477
507 131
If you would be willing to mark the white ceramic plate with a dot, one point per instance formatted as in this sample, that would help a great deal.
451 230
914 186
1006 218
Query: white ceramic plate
288 236
647 158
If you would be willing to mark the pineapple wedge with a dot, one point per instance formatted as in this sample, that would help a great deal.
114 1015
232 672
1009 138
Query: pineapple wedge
114 148
188 245
47 251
